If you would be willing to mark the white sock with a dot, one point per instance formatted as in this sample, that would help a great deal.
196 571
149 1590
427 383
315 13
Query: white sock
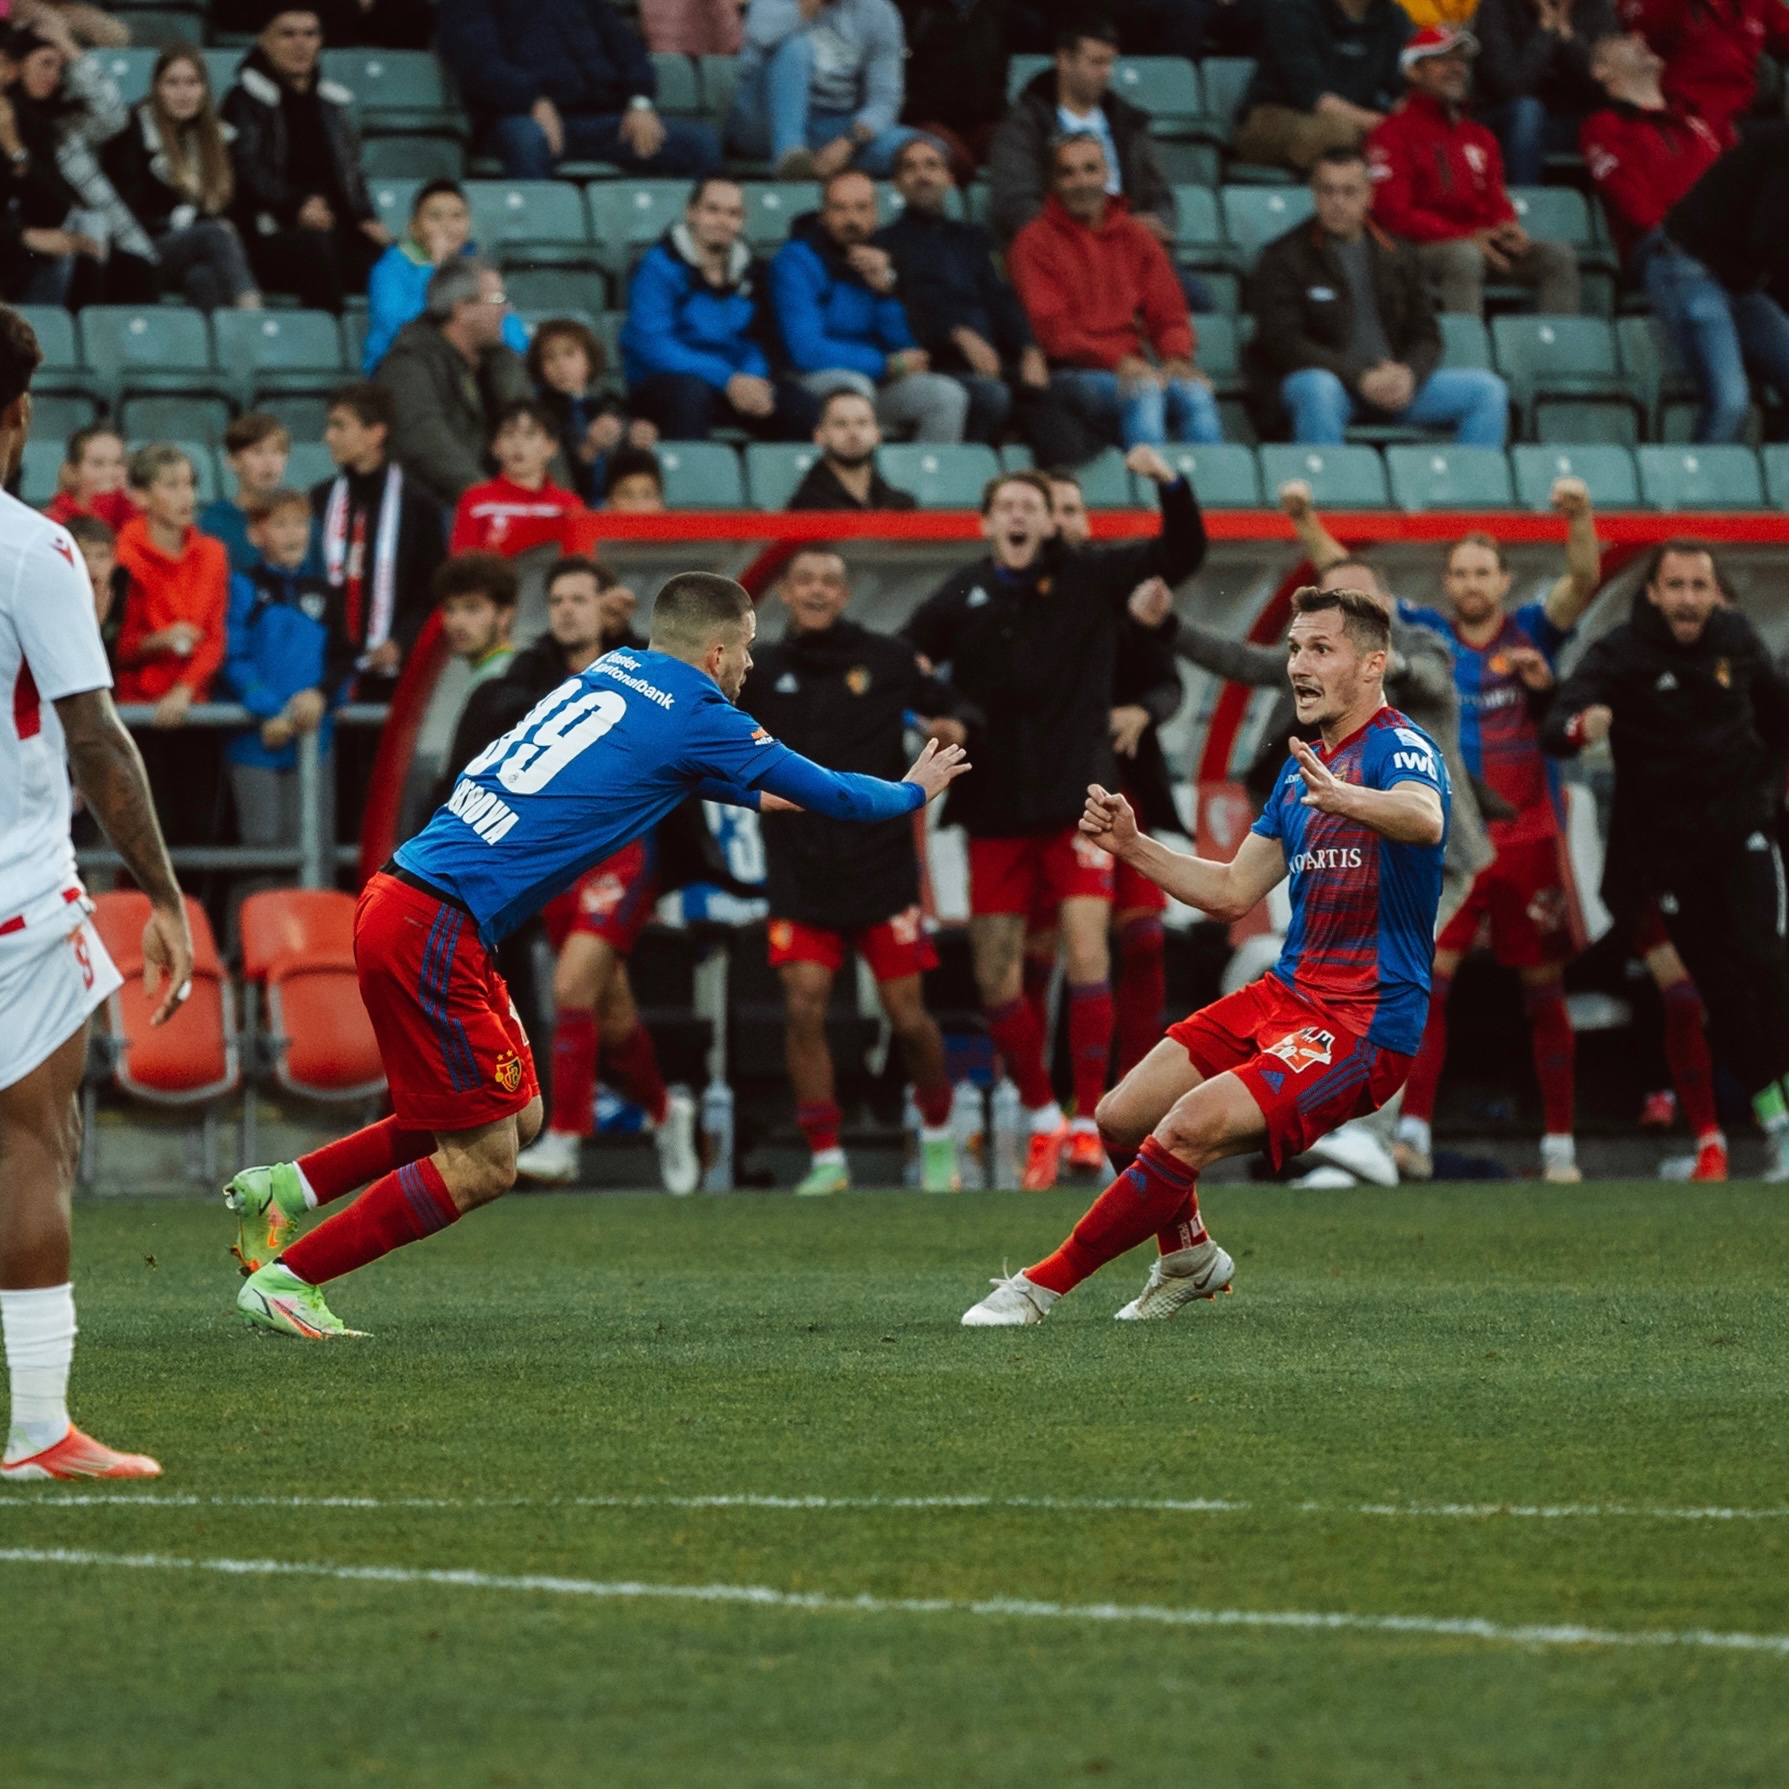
936 1133
1083 1127
1558 1150
305 1187
1415 1132
828 1158
39 1326
1044 1119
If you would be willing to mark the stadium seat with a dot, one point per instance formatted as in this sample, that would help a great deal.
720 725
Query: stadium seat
1225 80
628 216
771 207
1255 215
700 475
395 90
413 158
1198 228
1568 358
555 291
174 417
1166 87
531 221
63 368
310 464
1560 214
221 66
1658 377
1464 341
1105 482
129 71
940 477
41 471
1699 478
1021 71
159 28
1608 471
1449 477
392 199
279 351
679 91
718 77
148 348
56 415
774 468
1184 161
1776 474
304 417
1218 351
1223 477
1339 477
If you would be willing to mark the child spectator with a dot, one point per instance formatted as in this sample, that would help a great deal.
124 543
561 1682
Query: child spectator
635 485
476 595
565 360
257 446
99 553
92 479
521 507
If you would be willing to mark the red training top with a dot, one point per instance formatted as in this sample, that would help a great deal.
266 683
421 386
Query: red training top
1437 175
1643 163
1711 50
114 508
501 516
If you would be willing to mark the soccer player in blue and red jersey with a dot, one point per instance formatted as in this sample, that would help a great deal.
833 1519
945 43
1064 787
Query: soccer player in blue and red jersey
1503 664
1359 826
601 760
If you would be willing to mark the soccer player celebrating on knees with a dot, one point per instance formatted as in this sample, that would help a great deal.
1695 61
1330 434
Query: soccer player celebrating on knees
841 694
1031 637
1358 823
54 970
600 760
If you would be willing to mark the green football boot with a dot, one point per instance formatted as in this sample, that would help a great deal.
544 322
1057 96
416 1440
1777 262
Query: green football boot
938 1165
277 1299
268 1203
823 1178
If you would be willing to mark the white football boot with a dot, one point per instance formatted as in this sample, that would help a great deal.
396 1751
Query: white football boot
679 1166
1013 1303
552 1156
1203 1271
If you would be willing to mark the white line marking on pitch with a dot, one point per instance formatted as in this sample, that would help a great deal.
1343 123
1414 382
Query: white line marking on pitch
818 1602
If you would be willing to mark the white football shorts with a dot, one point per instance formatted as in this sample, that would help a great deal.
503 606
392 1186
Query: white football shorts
52 977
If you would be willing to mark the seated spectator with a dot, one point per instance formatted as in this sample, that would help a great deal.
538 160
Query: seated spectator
475 596
98 547
819 87
1345 326
521 508
691 27
1327 74
550 79
565 361
1711 51
1438 180
957 54
699 339
91 481
440 228
634 484
38 249
256 446
845 475
1075 98
449 373
843 325
288 663
1102 297
1533 81
301 200
171 166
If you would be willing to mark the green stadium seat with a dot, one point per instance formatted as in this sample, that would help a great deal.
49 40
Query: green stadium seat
1223 477
220 68
304 417
628 216
539 222
395 90
700 475
62 368
1015 456
1546 357
1560 214
41 473
1449 477
608 332
1464 341
1776 474
1339 477
1105 483
161 28
56 415
774 468
940 477
770 208
1021 71
551 291
1185 162
1225 80
354 328
309 465
1608 471
679 89
1198 228
169 417
413 158
1166 87
718 76
1217 351
1700 478
148 348
1659 378
129 71
279 351
1255 215
1568 421
393 197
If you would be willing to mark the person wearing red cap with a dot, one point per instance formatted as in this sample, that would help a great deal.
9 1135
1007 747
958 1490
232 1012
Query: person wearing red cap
1711 50
1438 178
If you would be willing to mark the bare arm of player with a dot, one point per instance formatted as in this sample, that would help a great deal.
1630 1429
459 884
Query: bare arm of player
1409 814
1572 594
1320 546
1222 890
108 771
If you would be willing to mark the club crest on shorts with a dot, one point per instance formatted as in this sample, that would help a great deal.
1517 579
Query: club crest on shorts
508 1072
1311 1047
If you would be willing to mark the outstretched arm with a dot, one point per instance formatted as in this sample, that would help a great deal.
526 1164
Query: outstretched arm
1407 814
1225 891
1572 594
1321 547
846 795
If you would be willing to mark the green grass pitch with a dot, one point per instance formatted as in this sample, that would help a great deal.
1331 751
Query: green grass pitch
1500 1405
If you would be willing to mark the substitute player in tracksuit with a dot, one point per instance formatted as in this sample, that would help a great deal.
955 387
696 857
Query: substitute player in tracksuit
841 694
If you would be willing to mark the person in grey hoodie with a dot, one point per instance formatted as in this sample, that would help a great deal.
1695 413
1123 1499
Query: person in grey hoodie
820 87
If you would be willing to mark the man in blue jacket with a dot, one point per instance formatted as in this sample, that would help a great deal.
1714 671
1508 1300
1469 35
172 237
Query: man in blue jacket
699 342
843 324
551 79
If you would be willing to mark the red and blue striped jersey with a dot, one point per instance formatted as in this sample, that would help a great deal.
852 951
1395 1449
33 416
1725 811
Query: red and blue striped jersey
1362 937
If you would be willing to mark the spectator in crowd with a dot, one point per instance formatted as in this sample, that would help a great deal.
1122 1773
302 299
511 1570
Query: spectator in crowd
1711 51
1533 81
566 361
635 483
1075 98
1438 179
957 53
843 325
256 447
1345 326
699 345
549 80
171 166
521 508
449 373
691 27
301 201
820 87
1327 74
397 289
475 596
91 27
1102 297
845 475
98 546
91 481
38 249
288 661
347 24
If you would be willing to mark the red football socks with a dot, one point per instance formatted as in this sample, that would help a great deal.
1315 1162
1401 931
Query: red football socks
1182 1230
352 1161
574 1072
934 1104
1686 1049
1089 1041
634 1061
1158 1192
1142 990
404 1206
819 1124
1019 1038
1039 972
1431 1053
1555 1054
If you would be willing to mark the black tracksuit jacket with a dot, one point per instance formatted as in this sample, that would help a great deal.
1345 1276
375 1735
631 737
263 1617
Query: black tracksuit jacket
1148 676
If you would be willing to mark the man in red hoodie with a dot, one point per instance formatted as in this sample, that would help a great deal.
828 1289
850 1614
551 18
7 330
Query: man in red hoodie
1438 179
1103 298
521 507
1711 50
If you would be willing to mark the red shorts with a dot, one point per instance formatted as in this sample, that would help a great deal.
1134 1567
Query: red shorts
1527 898
454 1051
1132 892
893 948
1305 1071
613 900
1036 872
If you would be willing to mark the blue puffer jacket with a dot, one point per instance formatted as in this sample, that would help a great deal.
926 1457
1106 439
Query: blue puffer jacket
828 316
678 323
506 54
286 633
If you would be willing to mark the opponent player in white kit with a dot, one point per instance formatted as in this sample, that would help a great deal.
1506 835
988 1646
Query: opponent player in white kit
54 701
